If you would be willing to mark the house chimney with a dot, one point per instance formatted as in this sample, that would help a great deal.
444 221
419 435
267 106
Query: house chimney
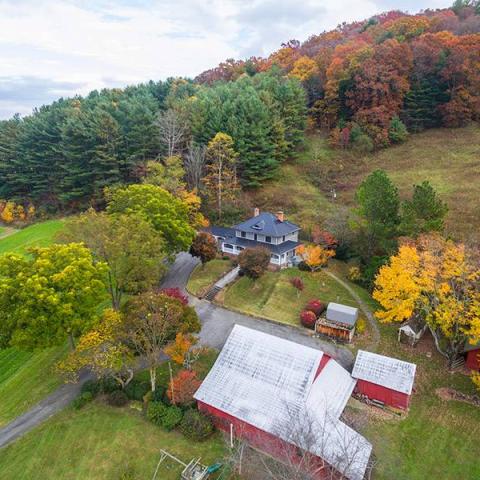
256 212
280 216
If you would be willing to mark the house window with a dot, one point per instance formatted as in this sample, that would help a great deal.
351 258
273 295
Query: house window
239 249
255 237
268 239
244 234
228 246
283 238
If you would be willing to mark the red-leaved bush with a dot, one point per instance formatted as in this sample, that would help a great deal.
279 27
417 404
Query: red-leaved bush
308 318
175 293
315 306
182 387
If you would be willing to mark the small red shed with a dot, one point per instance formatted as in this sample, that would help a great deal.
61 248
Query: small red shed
268 390
384 379
472 356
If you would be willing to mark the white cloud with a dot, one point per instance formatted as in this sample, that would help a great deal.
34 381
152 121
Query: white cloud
91 44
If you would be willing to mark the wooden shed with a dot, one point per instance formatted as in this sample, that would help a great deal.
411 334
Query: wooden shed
384 379
339 322
262 387
472 356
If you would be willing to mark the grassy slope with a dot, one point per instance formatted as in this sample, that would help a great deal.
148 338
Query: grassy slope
99 442
448 158
36 235
26 377
203 277
272 296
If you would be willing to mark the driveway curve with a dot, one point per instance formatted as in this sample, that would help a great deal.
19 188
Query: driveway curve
217 323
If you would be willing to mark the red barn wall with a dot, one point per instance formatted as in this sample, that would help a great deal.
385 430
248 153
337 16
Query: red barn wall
261 440
383 394
473 359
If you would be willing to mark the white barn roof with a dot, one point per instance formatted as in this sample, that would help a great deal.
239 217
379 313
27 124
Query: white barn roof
385 371
342 313
267 382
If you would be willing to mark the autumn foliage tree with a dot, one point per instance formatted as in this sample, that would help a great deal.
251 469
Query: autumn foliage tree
204 246
254 261
298 284
436 279
315 256
182 387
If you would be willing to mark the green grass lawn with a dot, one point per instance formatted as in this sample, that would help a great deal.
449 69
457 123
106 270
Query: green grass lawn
36 235
438 439
100 442
203 277
272 296
25 378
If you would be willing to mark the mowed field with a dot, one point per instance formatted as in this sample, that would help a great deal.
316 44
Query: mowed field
448 158
27 377
101 442
36 235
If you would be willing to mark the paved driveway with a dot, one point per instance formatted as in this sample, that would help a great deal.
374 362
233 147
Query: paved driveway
217 323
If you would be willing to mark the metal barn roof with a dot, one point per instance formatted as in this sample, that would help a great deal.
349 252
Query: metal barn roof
268 382
342 314
385 371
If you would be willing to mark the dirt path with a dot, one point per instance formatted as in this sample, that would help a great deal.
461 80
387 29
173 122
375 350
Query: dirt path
363 306
7 231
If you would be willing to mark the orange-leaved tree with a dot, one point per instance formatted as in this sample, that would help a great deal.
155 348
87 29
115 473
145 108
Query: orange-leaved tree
315 256
182 387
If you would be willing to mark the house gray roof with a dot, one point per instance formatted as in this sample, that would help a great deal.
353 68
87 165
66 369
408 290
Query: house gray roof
267 224
342 314
220 231
278 249
385 371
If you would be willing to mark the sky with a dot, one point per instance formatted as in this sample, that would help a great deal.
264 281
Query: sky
53 48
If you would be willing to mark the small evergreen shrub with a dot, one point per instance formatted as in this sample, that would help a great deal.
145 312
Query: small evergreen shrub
308 319
171 418
397 132
92 386
109 385
196 426
117 398
136 389
159 394
82 400
316 306
156 411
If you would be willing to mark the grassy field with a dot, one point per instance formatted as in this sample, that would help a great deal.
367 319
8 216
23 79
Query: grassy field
272 296
25 378
448 158
100 442
438 438
36 235
204 276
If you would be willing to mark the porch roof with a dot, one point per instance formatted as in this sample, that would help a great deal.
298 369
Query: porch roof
277 249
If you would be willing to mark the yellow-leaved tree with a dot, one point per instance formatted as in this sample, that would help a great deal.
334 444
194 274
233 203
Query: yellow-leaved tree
436 279
315 256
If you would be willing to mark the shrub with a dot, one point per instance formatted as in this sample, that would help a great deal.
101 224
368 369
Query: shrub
303 267
225 257
171 418
109 385
308 319
298 284
156 411
316 306
254 261
82 400
136 389
92 386
397 131
159 394
117 398
204 246
185 384
196 426
354 274
361 326
175 293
